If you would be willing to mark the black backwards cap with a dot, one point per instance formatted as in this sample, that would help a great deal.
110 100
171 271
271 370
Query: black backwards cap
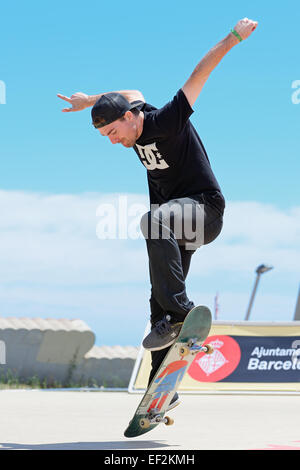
110 107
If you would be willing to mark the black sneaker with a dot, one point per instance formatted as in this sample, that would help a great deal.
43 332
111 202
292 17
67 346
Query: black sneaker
174 402
164 334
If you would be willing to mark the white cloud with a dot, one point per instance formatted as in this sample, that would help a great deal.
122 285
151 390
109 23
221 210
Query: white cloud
262 225
52 262
52 238
255 233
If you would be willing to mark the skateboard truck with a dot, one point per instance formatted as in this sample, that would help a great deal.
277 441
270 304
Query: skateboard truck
193 348
154 417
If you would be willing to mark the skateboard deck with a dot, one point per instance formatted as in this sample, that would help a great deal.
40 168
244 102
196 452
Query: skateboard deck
167 379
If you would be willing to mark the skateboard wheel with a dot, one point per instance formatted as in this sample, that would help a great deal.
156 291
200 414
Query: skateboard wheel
144 423
169 421
184 351
209 348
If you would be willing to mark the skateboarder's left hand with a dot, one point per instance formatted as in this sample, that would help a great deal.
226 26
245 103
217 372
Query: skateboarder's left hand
245 27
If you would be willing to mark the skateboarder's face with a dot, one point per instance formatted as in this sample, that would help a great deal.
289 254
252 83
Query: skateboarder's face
124 131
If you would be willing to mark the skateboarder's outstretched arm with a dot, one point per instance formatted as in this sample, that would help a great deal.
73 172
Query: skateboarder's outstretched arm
80 101
195 83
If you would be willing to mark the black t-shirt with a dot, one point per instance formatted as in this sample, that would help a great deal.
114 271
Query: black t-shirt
174 156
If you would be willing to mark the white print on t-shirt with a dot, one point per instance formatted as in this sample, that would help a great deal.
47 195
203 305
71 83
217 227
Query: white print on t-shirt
151 158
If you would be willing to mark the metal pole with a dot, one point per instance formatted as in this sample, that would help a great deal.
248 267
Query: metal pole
252 296
297 311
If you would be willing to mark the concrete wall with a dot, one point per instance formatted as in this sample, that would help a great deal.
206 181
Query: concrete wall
61 351
108 366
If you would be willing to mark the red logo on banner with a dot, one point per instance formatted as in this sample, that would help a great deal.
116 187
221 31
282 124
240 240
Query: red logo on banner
218 365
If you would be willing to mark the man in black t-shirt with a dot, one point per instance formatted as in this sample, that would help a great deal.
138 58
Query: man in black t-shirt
186 201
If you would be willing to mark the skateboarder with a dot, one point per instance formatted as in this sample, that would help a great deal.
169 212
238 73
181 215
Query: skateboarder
187 204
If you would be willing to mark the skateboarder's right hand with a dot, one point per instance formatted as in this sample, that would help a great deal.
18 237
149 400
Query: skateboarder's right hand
78 101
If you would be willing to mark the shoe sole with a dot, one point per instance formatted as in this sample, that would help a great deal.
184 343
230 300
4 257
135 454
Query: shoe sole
171 407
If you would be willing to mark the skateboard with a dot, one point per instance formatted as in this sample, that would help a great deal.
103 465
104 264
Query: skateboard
152 408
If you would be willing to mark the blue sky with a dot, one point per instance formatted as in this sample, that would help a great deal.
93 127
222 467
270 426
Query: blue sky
245 117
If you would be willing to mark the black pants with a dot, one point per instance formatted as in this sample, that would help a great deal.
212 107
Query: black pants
173 232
